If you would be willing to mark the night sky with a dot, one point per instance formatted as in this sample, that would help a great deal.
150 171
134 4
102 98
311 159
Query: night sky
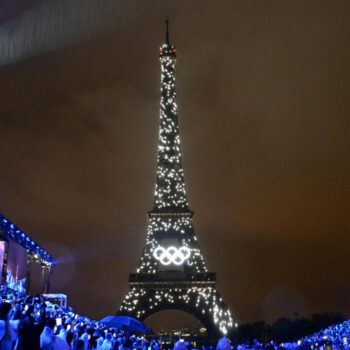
263 89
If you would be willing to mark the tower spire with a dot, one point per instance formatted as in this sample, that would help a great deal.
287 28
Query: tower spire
167 40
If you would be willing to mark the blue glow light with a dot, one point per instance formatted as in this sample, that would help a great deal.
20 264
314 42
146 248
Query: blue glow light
25 241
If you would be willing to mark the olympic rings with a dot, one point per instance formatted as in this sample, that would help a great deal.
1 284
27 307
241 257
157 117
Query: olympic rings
172 255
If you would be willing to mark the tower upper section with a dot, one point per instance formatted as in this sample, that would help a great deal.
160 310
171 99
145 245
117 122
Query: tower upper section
167 50
170 192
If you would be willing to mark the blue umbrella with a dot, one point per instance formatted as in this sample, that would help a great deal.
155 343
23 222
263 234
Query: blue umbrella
125 322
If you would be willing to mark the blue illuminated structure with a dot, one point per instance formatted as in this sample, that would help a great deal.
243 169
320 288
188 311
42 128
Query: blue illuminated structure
21 238
34 253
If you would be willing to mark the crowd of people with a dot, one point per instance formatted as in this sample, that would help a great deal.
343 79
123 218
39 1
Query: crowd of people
33 323
333 337
337 337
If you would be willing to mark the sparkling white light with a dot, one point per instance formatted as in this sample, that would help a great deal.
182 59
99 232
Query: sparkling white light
158 228
171 221
204 300
171 255
170 192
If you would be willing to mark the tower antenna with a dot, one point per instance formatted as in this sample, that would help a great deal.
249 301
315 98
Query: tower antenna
167 32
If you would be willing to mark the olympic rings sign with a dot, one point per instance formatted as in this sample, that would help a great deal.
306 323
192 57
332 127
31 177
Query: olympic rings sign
171 255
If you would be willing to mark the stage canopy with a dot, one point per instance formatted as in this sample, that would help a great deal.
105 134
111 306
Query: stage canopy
21 238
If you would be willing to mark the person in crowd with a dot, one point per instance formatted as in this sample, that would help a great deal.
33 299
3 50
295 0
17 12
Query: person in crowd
107 343
47 337
99 341
7 333
30 327
223 344
14 322
85 337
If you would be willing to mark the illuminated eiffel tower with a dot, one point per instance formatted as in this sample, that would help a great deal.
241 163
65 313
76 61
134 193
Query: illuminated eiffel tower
172 273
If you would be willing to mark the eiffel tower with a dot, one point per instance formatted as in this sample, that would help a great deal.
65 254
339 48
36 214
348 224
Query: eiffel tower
172 273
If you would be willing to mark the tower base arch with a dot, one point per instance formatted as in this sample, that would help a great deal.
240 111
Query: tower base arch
194 294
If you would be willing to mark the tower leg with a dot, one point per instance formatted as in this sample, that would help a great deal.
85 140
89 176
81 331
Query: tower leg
205 303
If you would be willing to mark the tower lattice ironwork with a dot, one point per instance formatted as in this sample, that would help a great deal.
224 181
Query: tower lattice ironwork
172 273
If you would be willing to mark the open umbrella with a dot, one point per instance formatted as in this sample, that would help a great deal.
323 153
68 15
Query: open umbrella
125 322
